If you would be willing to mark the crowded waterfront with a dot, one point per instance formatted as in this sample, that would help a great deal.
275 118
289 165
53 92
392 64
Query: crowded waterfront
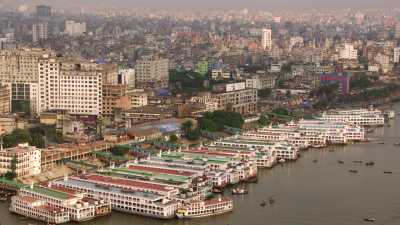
189 182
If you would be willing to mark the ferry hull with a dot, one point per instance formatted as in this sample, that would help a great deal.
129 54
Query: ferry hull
180 216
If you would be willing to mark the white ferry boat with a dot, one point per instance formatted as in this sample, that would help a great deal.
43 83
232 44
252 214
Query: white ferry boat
206 208
38 209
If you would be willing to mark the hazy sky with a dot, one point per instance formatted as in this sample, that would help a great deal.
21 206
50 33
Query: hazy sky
227 4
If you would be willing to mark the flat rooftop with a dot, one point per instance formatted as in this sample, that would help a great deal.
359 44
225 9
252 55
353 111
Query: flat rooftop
88 185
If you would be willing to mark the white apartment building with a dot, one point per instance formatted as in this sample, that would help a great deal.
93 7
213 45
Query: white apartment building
348 52
396 55
266 39
28 160
74 28
138 97
152 72
69 84
40 32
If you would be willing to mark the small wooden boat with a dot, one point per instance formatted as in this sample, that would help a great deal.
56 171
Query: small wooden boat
396 144
372 220
263 204
340 161
252 180
387 172
357 161
271 200
370 163
315 161
353 171
381 143
239 191
216 190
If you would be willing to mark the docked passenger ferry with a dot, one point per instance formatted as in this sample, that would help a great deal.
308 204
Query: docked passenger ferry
206 208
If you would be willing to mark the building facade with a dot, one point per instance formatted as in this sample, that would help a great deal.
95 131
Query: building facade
70 84
152 72
28 160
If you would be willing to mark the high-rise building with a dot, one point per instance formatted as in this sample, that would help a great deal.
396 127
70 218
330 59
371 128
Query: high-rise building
235 97
152 72
396 55
43 11
397 31
5 100
19 71
74 29
348 52
70 84
266 39
40 32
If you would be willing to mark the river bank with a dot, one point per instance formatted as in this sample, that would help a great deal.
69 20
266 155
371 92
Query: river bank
306 192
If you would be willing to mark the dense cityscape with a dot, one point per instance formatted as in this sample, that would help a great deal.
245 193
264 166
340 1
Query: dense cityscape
172 114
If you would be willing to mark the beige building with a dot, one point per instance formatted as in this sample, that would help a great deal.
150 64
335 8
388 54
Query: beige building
28 160
152 72
138 97
5 99
112 94
235 97
19 71
71 85
40 32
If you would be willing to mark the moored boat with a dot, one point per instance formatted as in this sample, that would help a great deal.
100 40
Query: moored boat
206 208
239 191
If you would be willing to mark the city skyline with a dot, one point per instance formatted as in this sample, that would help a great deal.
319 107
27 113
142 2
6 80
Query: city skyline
208 4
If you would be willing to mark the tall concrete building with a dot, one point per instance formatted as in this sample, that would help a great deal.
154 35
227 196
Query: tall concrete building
40 32
73 28
266 39
396 55
70 84
19 71
397 31
152 72
5 100
43 11
348 52
235 97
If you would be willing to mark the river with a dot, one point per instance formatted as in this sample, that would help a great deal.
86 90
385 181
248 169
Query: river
306 192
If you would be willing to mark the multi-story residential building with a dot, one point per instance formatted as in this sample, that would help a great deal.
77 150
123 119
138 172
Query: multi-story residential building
74 28
266 39
5 99
146 114
70 84
235 97
43 11
138 97
397 31
396 55
348 52
28 160
152 72
40 32
112 94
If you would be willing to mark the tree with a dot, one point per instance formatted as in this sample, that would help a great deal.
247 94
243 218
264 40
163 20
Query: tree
217 120
186 126
120 150
263 121
12 174
18 136
173 138
193 135
264 93
281 111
